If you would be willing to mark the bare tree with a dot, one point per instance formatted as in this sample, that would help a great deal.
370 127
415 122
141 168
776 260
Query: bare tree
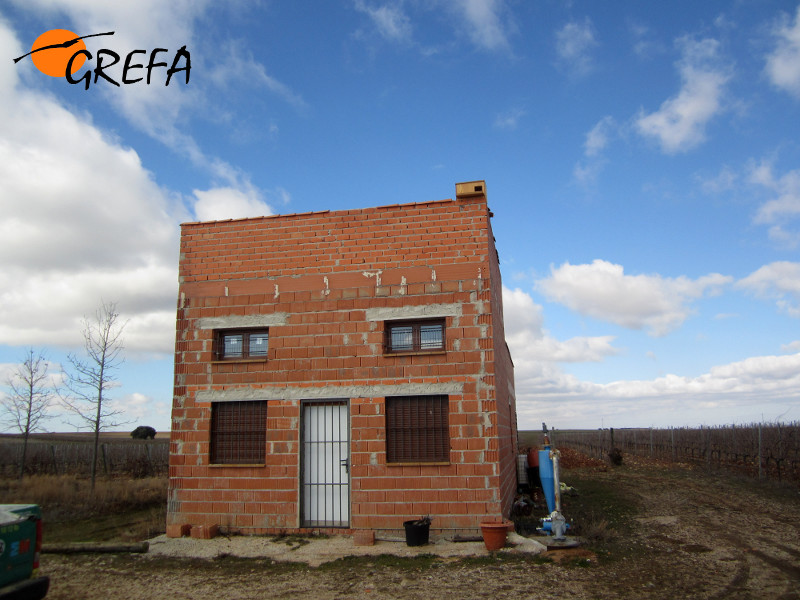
91 376
30 393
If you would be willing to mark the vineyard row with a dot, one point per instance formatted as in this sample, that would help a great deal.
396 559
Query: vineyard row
766 451
115 458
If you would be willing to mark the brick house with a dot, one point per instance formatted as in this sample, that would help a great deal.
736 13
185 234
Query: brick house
343 371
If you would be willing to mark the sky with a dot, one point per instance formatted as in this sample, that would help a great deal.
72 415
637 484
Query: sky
642 161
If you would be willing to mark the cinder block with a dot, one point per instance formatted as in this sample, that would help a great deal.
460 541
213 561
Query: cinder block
205 532
176 531
364 537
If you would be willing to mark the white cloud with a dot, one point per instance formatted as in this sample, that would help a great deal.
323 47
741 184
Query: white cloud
769 376
536 354
787 187
783 64
530 343
389 19
9 371
509 119
483 22
157 110
144 25
483 19
781 209
724 181
545 392
229 203
603 291
151 22
597 140
726 316
598 137
644 43
82 221
784 207
680 122
46 309
150 334
574 42
777 280
586 173
783 237
235 63
744 389
138 407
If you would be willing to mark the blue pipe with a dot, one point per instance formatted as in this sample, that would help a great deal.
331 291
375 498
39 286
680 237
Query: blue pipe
547 478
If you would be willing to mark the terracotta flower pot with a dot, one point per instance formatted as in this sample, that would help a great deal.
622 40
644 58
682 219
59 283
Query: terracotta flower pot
494 534
533 457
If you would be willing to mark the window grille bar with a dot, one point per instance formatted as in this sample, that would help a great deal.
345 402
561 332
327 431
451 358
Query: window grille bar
238 432
231 344
414 336
417 429
325 477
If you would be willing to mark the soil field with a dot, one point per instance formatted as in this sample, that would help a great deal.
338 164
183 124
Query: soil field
655 531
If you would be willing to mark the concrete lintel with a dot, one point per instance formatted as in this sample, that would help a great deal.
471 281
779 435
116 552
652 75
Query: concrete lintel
413 312
333 391
242 321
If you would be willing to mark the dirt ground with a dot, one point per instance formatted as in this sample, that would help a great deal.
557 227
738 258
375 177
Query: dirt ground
655 532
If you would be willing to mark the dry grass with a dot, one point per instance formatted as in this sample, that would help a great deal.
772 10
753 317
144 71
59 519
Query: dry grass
597 530
120 509
70 497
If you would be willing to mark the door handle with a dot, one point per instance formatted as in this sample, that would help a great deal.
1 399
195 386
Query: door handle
345 462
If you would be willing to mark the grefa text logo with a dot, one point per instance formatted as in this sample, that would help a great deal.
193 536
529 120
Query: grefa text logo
61 53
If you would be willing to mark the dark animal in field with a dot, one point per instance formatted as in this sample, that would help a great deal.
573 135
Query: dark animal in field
143 432
615 456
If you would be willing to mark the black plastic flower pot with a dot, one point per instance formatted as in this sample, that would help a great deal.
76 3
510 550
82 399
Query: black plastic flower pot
417 532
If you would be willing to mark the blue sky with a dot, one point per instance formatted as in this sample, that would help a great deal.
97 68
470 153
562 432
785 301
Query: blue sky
642 161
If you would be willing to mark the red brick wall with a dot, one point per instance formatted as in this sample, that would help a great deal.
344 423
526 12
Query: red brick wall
325 272
502 387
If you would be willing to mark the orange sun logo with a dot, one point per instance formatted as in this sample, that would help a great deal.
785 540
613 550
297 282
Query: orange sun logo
52 50
61 53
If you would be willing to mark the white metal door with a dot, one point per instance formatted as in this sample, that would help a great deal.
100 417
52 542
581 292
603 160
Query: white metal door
326 464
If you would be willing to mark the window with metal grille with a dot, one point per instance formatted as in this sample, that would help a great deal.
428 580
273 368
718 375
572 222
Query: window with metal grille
238 432
414 336
417 429
241 344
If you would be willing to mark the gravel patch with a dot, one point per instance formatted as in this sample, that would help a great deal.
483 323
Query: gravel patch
316 551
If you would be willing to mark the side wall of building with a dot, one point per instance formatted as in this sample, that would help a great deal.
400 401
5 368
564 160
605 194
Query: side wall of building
502 383
324 284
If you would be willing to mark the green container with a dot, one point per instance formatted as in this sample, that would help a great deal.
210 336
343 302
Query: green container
18 552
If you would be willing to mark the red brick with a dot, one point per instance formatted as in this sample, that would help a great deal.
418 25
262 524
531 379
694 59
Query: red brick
364 537
205 532
180 530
